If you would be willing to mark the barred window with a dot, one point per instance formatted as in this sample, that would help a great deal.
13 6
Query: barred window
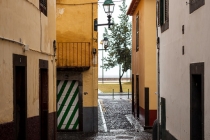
137 32
43 6
163 14
195 4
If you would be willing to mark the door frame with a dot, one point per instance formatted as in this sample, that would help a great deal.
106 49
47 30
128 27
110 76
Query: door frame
66 74
133 108
43 65
137 97
19 60
197 69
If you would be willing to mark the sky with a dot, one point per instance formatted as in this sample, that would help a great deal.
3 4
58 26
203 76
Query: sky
102 18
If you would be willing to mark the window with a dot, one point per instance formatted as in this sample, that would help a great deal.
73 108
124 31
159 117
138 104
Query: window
43 6
163 14
195 4
137 32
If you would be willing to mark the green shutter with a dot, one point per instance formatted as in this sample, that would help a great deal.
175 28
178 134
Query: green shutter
166 10
158 13
137 31
161 12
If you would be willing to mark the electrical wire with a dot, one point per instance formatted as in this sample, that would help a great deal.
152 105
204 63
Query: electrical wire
83 3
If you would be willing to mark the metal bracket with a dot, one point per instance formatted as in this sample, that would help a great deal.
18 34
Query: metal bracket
96 24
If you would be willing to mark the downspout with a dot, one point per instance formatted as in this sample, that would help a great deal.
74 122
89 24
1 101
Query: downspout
158 72
93 69
40 31
55 93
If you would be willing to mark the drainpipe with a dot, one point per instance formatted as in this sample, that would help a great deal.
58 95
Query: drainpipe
158 78
93 69
55 88
40 31
158 98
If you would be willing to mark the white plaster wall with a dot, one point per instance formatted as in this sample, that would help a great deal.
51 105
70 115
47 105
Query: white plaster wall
23 20
175 67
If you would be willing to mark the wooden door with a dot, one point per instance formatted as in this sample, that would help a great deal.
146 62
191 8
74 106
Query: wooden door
44 103
197 101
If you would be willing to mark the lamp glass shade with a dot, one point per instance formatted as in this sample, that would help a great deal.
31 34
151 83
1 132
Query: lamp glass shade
105 41
108 6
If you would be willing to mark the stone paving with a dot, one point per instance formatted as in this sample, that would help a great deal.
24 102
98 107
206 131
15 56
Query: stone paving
116 123
115 112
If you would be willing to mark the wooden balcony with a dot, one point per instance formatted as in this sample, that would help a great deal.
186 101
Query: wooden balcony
73 55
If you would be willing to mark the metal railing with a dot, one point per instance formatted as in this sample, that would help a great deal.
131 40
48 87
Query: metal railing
73 54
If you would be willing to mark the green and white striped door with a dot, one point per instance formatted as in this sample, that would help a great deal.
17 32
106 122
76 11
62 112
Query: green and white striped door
68 105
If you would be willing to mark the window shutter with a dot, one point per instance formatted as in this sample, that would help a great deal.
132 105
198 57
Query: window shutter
161 12
43 6
158 13
196 4
166 10
137 32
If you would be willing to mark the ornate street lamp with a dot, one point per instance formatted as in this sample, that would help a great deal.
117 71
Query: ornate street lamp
104 44
108 9
105 41
108 6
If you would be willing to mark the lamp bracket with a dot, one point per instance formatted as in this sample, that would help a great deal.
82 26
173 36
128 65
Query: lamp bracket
96 24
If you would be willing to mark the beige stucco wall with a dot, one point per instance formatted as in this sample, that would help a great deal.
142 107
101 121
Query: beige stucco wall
144 60
23 21
74 23
175 67
150 51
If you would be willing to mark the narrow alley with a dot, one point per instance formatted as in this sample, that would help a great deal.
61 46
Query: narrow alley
64 65
115 121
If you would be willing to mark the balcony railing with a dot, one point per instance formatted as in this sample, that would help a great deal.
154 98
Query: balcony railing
73 54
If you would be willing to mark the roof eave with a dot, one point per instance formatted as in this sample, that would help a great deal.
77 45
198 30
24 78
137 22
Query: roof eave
132 7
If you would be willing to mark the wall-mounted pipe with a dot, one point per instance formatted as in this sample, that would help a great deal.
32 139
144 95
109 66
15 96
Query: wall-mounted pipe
13 41
24 45
158 75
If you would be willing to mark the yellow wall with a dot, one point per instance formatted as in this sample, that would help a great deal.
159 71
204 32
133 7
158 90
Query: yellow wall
74 23
144 60
150 51
23 21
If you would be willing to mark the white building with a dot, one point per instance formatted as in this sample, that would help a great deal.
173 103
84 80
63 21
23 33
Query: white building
27 70
184 44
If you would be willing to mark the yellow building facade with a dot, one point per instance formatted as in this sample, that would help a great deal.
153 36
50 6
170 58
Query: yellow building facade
77 66
27 69
143 14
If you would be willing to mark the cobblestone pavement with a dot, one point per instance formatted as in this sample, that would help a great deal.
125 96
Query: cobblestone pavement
115 112
118 123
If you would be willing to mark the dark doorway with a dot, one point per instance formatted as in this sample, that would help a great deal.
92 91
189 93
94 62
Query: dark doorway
43 95
197 102
137 96
133 112
146 105
20 96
